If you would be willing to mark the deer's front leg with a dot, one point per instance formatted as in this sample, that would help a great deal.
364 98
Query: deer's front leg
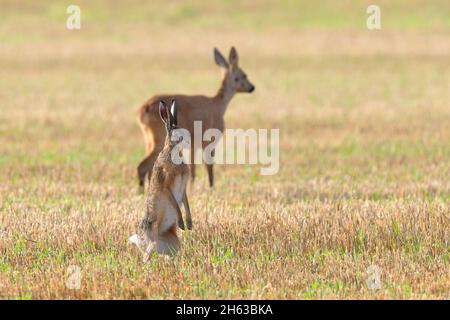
210 163
188 211
192 165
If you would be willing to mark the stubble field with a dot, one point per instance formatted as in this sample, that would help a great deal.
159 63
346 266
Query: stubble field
364 119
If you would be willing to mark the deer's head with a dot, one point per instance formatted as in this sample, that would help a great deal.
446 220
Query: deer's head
235 77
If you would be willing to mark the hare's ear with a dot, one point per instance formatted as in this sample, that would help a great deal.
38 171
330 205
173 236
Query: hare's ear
220 60
173 111
163 112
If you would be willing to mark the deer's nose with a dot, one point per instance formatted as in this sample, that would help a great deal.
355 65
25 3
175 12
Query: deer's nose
251 89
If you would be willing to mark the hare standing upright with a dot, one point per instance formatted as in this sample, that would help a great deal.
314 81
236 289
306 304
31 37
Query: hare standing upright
157 230
208 110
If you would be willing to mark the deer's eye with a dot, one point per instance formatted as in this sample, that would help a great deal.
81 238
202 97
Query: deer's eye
236 79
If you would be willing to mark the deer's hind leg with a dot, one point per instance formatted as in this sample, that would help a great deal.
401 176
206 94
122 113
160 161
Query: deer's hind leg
146 166
153 242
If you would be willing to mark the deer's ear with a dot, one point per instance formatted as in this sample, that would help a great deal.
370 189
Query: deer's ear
163 112
173 112
233 58
220 60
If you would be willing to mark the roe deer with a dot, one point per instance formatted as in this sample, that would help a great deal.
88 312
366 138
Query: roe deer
208 110
157 230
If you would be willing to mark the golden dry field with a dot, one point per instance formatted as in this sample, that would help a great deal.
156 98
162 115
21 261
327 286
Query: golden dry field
364 119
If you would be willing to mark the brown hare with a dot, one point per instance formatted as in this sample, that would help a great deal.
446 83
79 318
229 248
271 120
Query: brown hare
167 191
208 110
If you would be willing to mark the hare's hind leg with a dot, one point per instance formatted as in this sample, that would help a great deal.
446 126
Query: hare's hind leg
153 242
169 244
175 205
